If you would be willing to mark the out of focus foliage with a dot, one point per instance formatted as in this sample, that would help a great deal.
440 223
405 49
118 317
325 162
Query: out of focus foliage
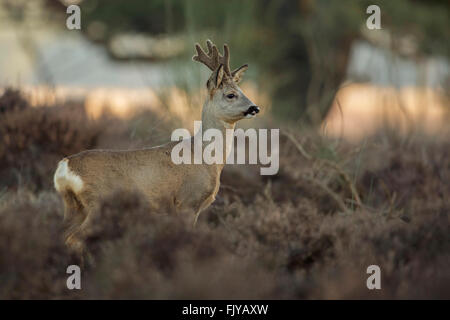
301 234
301 48
33 140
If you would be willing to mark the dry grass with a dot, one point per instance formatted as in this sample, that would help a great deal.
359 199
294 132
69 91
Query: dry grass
308 232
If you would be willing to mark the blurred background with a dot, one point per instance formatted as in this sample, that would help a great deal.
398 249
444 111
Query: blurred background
364 148
312 62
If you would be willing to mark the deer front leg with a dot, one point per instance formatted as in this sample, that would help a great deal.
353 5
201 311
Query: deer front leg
205 204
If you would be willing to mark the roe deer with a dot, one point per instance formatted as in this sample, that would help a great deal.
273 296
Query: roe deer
85 178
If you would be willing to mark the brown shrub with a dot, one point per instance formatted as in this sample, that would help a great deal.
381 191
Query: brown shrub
33 257
257 251
12 100
33 140
136 253
299 234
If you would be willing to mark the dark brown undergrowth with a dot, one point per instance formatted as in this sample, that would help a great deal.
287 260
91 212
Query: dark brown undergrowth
310 232
33 257
33 140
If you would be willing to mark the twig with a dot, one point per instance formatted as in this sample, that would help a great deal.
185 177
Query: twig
330 192
329 163
346 177
297 145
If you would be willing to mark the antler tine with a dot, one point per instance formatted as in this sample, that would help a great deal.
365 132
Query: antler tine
237 69
225 59
211 59
209 44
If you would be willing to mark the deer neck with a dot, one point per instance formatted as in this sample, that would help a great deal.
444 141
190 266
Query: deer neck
210 120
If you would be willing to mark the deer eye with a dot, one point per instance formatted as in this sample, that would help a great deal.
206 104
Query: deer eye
231 96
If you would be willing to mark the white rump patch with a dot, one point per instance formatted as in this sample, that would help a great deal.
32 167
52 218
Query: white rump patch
66 179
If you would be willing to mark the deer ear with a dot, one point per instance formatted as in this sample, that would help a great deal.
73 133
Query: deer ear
239 72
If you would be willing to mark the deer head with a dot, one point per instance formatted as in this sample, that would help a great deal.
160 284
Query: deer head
225 99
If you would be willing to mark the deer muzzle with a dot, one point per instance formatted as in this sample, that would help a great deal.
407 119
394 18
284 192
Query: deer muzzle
252 111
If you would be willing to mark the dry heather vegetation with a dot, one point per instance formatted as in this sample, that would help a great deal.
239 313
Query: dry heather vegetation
308 232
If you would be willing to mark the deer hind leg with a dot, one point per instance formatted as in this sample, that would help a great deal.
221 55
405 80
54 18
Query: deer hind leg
74 215
90 206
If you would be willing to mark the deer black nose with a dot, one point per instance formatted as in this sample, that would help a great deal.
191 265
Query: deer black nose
252 110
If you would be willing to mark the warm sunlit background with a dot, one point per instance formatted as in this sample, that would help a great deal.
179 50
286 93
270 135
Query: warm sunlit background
311 62
364 148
